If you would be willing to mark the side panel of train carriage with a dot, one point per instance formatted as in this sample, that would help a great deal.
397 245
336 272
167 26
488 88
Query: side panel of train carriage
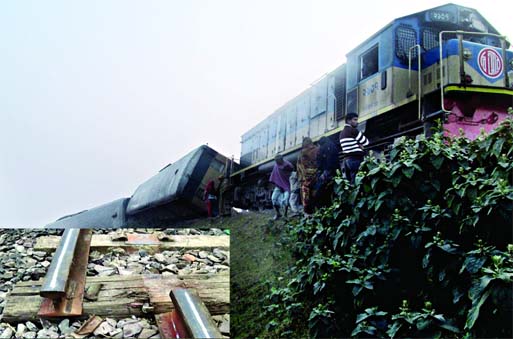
175 193
400 80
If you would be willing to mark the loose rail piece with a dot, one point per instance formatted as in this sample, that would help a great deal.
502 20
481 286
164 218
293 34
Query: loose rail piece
63 287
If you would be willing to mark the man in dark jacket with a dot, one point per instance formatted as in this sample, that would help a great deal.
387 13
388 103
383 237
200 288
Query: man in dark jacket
352 142
327 158
327 163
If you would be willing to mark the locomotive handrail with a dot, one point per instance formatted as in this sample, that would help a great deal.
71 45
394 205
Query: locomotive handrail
503 47
419 78
502 39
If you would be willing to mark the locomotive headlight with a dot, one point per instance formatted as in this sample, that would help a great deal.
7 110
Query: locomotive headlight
467 54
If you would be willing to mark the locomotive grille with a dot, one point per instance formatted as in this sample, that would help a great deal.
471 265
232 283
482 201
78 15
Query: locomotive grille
405 38
429 39
340 91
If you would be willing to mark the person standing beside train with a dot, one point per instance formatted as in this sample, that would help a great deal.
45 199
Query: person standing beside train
210 197
307 174
353 144
295 190
222 188
327 162
280 178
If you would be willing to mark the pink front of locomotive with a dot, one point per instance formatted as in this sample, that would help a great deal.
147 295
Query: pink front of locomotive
486 117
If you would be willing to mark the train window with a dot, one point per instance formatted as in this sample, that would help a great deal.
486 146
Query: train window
429 38
369 63
217 165
405 38
492 41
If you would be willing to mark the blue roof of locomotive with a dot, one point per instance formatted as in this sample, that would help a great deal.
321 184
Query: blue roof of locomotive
357 48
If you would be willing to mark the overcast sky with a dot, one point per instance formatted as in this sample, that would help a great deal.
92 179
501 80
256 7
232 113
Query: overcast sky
97 96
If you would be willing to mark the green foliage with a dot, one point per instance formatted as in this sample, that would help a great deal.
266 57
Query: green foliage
260 256
418 247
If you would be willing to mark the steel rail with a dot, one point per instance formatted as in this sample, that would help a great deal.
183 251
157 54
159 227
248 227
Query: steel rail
194 314
55 284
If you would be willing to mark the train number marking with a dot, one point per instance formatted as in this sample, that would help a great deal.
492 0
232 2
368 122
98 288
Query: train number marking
370 90
490 62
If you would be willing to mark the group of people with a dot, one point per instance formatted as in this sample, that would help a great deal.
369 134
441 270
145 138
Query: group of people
316 166
307 186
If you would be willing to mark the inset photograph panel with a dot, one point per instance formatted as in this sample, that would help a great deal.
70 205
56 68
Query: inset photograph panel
127 283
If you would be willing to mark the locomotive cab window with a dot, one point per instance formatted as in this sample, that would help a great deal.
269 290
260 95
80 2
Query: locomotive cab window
369 63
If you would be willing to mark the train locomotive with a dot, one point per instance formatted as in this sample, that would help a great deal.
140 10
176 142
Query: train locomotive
447 63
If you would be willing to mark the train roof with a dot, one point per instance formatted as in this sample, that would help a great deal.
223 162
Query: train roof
266 119
450 4
168 184
255 128
489 26
109 215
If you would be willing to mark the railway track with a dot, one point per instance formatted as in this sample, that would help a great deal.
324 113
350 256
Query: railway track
119 284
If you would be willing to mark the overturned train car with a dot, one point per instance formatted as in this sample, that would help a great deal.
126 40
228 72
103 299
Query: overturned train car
174 193
446 63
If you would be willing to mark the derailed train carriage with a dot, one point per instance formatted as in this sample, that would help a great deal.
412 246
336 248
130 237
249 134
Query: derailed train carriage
447 62
174 193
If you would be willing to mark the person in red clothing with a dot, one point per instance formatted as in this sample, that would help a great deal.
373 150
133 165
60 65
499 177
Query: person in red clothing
210 197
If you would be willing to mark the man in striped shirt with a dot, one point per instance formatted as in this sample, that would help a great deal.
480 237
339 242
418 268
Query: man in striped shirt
352 142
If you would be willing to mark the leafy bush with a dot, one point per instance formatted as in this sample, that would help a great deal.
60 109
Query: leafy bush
418 247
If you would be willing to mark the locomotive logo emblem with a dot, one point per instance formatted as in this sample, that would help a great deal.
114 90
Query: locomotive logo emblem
490 62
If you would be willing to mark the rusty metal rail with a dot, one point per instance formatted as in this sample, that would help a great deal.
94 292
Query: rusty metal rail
189 319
